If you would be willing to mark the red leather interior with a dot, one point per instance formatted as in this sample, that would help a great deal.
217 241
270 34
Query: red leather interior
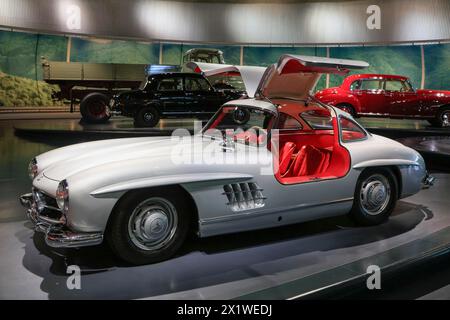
320 156
286 157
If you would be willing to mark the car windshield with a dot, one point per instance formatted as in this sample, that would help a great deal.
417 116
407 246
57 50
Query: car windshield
243 124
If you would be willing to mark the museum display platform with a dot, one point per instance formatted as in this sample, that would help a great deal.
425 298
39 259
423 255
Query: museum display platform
291 262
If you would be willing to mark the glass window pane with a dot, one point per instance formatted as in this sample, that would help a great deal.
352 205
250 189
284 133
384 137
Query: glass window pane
171 84
288 122
356 85
350 130
394 85
371 84
318 119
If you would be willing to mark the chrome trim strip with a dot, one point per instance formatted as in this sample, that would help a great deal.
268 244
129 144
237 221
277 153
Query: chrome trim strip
252 213
59 238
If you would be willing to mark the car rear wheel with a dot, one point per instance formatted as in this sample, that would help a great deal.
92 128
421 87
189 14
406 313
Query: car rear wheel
94 108
347 108
147 227
375 196
146 117
442 118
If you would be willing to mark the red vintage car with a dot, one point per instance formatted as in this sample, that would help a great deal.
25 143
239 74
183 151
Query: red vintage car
388 96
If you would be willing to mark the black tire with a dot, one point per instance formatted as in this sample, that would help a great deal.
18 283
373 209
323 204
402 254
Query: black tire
367 182
94 108
146 117
442 118
347 108
126 245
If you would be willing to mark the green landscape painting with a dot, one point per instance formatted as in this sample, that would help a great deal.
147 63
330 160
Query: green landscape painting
114 51
400 60
21 57
437 66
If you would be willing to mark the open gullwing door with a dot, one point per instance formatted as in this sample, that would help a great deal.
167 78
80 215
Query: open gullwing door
251 76
296 76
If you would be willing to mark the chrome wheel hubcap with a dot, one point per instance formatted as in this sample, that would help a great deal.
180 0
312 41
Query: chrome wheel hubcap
148 116
152 224
375 194
446 119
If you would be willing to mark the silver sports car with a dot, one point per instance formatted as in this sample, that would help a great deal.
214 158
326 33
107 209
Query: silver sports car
276 158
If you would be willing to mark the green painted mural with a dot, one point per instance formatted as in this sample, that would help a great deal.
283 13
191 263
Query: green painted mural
20 67
437 66
20 53
113 51
20 60
401 60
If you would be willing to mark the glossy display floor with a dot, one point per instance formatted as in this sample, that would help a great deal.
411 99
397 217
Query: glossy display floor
281 263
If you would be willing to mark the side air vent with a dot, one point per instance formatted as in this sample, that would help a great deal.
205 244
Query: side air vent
244 196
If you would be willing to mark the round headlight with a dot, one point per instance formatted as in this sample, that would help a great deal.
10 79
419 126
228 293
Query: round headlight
62 196
32 169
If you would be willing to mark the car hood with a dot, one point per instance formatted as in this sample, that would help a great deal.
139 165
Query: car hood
65 162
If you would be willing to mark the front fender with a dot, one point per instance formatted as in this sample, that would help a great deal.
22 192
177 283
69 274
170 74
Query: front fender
167 180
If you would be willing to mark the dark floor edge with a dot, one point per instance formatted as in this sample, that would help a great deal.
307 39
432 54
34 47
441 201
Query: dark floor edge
320 285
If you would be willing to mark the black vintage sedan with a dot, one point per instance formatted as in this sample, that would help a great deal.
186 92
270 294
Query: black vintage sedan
172 95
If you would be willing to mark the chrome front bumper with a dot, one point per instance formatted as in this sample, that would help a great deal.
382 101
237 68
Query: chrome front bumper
428 181
57 235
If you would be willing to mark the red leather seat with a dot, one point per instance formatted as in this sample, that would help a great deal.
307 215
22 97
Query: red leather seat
309 161
285 157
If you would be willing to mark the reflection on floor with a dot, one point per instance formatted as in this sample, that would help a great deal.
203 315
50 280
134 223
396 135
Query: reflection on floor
220 267
72 122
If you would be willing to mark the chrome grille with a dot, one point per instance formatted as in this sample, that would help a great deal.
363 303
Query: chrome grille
244 196
46 205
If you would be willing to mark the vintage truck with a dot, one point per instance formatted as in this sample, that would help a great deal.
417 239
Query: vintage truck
94 84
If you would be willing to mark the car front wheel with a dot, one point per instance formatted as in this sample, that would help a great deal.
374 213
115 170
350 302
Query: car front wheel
146 117
375 196
147 228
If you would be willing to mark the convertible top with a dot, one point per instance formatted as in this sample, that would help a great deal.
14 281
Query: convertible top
292 76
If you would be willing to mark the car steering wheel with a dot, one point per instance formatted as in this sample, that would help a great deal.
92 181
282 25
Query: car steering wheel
259 131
